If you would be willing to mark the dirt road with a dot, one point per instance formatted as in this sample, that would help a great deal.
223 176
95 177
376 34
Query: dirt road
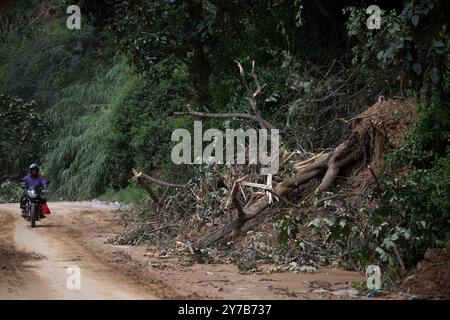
39 258
34 264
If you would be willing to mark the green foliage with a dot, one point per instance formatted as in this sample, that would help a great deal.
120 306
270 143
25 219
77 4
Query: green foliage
411 45
142 123
13 21
360 235
48 61
208 36
77 158
420 201
57 69
9 192
287 228
130 194
204 35
427 141
420 206
370 47
103 120
22 130
337 229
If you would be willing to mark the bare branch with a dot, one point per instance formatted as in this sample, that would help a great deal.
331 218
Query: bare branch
157 181
255 78
374 176
224 116
264 124
242 73
284 199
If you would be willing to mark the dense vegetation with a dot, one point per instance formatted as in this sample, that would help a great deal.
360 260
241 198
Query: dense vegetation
92 104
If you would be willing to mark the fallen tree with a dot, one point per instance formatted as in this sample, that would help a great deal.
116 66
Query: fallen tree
365 139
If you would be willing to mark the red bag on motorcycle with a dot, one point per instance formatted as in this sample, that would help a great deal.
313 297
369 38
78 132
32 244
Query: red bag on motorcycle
45 209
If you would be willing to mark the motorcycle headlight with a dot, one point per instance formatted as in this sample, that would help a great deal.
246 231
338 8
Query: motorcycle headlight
32 194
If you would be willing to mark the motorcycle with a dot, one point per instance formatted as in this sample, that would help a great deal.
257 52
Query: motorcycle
33 205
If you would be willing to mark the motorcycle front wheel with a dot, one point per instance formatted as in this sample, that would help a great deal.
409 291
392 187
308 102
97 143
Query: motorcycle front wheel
33 214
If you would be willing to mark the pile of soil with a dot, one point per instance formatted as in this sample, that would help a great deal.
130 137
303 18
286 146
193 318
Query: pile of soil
389 119
393 117
431 277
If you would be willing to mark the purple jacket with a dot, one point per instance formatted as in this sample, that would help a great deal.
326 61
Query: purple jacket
31 182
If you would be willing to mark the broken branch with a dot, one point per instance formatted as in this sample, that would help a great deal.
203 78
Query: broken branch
138 177
230 115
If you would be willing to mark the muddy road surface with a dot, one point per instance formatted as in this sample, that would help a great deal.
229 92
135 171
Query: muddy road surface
41 263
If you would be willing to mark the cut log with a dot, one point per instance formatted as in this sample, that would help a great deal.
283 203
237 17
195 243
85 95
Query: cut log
299 165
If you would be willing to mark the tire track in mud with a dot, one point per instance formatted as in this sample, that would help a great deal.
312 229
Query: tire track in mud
15 271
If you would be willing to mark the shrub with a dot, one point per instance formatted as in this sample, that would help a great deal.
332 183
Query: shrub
22 129
416 195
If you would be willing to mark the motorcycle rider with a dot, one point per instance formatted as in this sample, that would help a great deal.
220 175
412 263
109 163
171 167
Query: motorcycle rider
32 180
